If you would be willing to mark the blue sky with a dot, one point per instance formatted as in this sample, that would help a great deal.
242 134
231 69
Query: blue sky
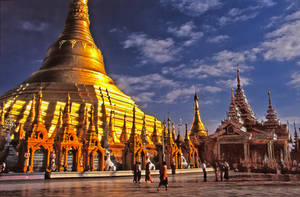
161 51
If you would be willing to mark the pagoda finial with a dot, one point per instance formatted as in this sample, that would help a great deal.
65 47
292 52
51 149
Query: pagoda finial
38 107
133 128
186 137
144 134
67 110
269 96
123 137
238 78
232 96
197 126
154 134
92 120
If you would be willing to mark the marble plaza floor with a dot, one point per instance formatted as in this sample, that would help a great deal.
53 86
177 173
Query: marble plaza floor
179 185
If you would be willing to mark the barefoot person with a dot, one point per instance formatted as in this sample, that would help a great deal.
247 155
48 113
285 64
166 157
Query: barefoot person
163 176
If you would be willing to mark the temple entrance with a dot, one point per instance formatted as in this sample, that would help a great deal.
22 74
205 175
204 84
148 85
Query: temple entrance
97 160
39 160
71 160
232 153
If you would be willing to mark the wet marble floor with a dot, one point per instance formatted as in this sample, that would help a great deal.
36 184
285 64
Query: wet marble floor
179 185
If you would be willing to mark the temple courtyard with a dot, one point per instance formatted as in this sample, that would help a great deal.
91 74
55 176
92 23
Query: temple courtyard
240 184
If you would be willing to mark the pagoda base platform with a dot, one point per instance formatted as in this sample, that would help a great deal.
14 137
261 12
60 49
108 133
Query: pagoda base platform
123 173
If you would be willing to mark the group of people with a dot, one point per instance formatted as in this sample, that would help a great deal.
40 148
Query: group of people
222 168
137 174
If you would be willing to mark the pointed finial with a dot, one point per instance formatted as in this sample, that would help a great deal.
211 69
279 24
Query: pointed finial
196 98
238 77
186 137
232 95
40 92
270 101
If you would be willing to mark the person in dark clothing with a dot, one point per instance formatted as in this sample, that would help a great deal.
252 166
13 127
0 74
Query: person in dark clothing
204 171
227 168
222 170
137 172
173 167
163 176
216 167
148 174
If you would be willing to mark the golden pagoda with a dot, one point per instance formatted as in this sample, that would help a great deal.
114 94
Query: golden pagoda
197 128
69 110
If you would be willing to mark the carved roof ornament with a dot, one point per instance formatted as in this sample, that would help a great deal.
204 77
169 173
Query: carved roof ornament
242 102
296 139
38 106
271 116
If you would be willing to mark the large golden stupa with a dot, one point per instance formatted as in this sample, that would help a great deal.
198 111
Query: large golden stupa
71 108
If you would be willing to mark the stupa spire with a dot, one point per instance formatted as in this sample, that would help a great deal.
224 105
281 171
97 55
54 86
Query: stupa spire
238 78
74 54
38 107
197 126
123 137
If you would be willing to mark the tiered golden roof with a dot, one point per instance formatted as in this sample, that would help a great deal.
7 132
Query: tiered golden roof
197 126
74 65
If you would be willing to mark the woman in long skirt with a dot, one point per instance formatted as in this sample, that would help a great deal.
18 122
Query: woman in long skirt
148 174
163 176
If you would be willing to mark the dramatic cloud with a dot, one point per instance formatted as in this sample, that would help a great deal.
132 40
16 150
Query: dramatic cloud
283 43
34 26
157 50
193 7
218 39
186 31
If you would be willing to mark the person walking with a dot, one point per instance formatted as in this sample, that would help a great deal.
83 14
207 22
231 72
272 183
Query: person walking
227 168
163 176
203 165
222 170
137 172
148 174
216 167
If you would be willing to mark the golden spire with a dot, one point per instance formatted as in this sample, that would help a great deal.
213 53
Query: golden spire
38 107
67 110
197 126
74 54
154 134
133 129
123 137
143 133
92 123
173 132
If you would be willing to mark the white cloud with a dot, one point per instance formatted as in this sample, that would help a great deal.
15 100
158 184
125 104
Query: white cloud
283 43
34 26
141 83
218 39
295 80
221 64
157 50
193 7
144 97
224 20
267 3
187 30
